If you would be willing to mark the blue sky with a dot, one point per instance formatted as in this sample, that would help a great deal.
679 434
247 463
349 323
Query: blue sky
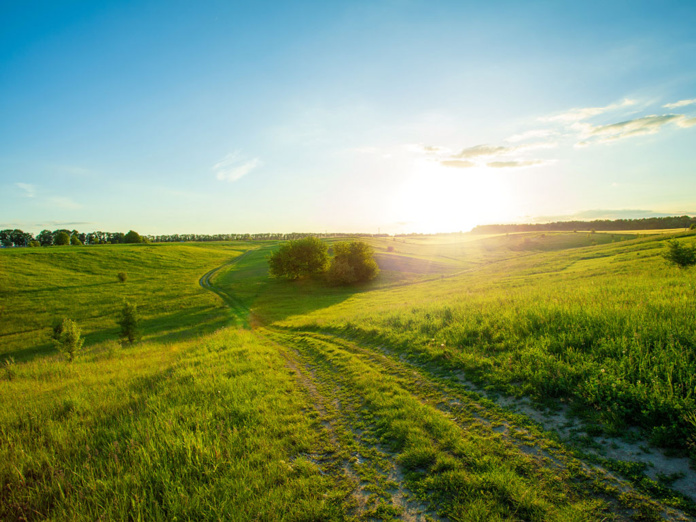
398 116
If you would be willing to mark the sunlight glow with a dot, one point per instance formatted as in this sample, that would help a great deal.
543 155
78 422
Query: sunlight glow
440 199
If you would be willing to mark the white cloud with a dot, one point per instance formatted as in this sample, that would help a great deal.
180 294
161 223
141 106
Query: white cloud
626 129
515 164
681 103
234 166
580 114
29 190
686 122
483 151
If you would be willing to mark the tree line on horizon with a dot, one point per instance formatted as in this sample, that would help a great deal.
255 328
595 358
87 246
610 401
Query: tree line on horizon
653 223
18 238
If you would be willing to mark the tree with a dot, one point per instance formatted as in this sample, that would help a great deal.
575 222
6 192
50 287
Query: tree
299 258
128 323
45 237
353 262
74 240
132 237
679 254
69 340
61 238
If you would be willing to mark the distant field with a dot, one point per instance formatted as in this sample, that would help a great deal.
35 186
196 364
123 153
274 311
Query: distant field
376 402
39 285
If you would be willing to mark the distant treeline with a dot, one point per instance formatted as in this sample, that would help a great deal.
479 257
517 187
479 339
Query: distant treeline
18 238
654 223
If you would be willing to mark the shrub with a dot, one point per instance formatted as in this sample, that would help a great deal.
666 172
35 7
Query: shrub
341 273
132 237
62 238
74 240
122 277
70 340
128 323
34 243
679 254
57 329
353 263
299 258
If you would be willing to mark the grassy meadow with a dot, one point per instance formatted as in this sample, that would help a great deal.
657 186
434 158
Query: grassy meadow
265 399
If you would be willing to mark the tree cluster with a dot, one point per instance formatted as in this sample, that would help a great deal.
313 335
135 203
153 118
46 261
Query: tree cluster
61 236
353 261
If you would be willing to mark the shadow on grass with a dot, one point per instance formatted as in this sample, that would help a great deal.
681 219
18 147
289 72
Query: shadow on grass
173 327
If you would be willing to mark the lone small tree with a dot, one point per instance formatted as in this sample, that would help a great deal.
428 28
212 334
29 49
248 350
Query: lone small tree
299 258
128 323
132 237
68 339
679 254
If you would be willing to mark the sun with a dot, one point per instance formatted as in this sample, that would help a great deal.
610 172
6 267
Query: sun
441 199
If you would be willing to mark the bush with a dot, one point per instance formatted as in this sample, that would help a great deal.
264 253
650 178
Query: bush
74 240
352 263
122 277
128 323
132 237
34 243
62 238
69 341
299 258
680 255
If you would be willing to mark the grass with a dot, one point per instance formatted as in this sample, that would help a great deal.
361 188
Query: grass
611 329
202 429
344 403
40 285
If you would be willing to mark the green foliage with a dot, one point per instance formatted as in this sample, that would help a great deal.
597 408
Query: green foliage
299 258
69 341
132 237
61 238
680 255
353 262
34 243
74 240
122 277
129 323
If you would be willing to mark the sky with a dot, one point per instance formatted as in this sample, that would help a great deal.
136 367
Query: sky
389 116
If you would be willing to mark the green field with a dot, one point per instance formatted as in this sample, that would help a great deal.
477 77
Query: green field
535 376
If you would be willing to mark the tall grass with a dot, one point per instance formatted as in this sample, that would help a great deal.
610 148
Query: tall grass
611 330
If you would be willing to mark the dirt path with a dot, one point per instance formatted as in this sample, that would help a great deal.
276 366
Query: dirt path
334 371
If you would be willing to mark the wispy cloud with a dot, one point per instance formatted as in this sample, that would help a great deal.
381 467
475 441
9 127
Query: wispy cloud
235 166
29 189
686 122
626 129
681 103
515 164
579 114
482 151
459 164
